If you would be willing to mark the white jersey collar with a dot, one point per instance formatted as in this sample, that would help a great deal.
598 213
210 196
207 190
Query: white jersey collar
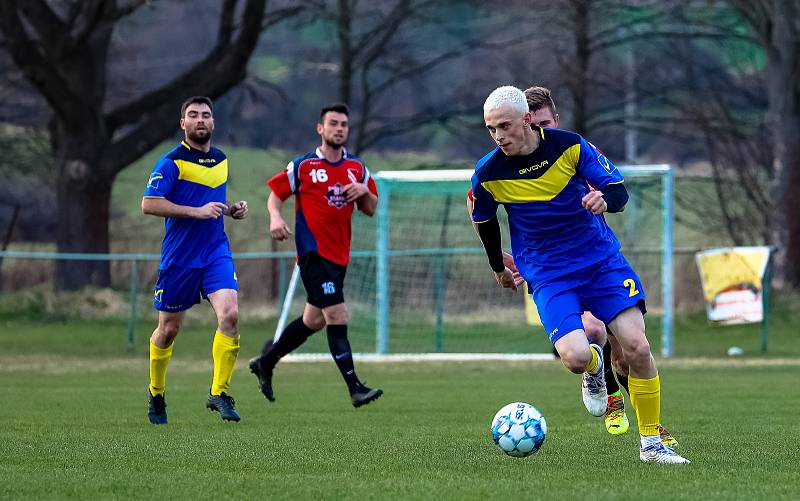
321 155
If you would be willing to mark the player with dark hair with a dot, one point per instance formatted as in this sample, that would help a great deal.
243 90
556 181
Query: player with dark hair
188 189
328 184
570 258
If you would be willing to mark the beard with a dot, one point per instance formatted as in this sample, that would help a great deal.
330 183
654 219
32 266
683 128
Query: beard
200 138
333 143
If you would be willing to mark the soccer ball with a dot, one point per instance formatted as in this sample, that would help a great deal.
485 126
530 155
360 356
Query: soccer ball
519 429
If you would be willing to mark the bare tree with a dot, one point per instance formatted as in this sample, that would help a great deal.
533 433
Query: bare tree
62 49
777 24
667 56
750 120
387 52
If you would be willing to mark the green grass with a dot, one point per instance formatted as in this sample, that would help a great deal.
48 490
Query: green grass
76 430
75 424
26 331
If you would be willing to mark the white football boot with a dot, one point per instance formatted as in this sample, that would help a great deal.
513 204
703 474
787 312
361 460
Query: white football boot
660 453
593 387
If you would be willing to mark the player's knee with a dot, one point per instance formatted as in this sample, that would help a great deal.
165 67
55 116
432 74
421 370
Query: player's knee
229 318
314 323
168 331
338 318
336 315
576 359
596 334
595 329
637 351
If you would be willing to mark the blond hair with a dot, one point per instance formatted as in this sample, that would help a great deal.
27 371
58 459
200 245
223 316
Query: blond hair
506 95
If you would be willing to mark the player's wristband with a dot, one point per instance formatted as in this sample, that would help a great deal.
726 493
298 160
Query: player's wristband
489 232
616 196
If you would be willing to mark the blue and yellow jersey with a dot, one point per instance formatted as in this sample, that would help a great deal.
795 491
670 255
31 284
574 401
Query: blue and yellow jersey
552 234
186 176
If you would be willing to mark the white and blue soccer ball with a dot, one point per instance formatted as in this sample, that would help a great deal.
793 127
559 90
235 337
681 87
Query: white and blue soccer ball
519 429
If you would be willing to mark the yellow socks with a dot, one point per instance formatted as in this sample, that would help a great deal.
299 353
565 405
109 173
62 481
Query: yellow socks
592 367
646 399
159 360
224 350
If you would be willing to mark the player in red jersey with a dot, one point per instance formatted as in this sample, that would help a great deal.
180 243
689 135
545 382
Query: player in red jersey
328 184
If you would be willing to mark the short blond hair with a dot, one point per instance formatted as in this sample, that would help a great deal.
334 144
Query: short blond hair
506 95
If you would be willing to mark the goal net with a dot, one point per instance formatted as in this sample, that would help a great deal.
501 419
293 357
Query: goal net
419 282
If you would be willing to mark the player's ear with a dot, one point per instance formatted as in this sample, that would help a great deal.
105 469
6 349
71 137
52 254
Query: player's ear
319 128
183 124
527 118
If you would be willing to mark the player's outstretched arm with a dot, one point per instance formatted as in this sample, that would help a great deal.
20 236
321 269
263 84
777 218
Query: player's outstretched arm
158 206
278 229
238 210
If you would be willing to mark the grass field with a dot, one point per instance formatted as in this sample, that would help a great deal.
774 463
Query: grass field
75 427
75 423
38 331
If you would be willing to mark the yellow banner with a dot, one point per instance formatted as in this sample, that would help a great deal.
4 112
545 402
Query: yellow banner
732 283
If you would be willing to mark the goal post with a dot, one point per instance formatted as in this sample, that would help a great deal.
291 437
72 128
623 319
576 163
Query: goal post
441 183
444 183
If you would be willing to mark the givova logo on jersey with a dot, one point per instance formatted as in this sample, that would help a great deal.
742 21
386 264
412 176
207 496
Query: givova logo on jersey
335 196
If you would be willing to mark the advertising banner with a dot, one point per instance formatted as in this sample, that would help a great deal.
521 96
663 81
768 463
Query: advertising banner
732 283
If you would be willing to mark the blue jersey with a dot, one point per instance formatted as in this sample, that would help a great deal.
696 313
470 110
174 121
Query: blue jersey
552 234
186 176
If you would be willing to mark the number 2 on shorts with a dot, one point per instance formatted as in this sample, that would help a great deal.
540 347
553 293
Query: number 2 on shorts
630 284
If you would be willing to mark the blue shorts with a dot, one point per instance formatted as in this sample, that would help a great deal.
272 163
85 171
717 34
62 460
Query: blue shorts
606 289
178 288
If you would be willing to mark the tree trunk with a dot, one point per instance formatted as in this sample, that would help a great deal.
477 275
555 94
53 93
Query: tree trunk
344 23
786 193
62 53
783 54
790 201
579 84
84 198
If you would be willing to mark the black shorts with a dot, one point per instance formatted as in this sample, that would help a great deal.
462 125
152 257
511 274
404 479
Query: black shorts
323 280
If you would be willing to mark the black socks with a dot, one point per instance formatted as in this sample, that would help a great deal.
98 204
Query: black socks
342 355
294 335
611 383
